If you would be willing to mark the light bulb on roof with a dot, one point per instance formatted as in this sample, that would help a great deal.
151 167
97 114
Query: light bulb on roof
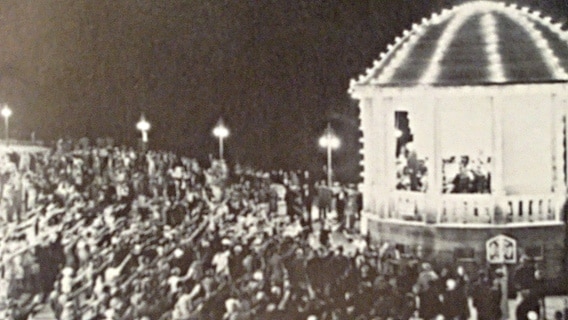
405 33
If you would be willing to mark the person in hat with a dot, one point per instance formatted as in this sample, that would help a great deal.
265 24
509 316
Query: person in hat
529 306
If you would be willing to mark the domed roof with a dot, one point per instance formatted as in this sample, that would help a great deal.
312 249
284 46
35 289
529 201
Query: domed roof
481 42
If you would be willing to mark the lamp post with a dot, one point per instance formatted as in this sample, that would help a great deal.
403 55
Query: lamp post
220 131
6 113
143 126
329 141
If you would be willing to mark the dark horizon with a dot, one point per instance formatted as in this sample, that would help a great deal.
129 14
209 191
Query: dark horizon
276 71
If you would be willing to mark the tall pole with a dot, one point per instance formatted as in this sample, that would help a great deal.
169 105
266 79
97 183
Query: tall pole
145 140
329 170
144 126
330 142
221 147
6 130
221 132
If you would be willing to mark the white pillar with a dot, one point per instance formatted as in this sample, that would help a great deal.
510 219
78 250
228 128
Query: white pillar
382 148
435 186
390 145
497 189
558 114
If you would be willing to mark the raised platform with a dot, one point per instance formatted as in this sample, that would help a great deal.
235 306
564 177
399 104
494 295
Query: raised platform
450 243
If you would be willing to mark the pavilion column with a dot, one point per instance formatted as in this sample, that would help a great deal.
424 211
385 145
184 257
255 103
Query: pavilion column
435 162
558 136
389 184
497 186
371 120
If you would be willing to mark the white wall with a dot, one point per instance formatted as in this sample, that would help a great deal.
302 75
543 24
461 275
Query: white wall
527 144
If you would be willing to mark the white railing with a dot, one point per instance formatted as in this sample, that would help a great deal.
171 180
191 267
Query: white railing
407 205
466 208
472 208
533 208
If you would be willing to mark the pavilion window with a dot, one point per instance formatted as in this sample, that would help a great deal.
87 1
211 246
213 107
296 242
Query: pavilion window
466 174
411 168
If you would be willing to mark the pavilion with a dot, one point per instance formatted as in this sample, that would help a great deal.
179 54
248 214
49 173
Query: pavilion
463 123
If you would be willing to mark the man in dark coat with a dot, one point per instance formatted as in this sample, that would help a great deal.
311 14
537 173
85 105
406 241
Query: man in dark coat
487 298
524 275
324 200
528 305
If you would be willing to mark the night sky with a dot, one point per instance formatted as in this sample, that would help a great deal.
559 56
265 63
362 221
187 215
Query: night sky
277 71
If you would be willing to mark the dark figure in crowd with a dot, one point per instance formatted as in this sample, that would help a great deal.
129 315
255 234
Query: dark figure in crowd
324 200
524 275
308 197
455 301
487 298
340 204
528 305
273 201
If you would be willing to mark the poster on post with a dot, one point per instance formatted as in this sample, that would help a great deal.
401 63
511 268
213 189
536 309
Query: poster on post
501 249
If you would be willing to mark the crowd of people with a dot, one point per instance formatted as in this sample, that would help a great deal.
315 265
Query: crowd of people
411 171
113 233
467 175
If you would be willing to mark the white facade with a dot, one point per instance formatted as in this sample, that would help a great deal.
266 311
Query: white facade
521 127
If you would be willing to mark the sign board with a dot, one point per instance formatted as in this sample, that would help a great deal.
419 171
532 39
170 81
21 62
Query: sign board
501 249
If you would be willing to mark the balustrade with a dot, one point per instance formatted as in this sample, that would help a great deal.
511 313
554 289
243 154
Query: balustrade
530 208
472 208
466 208
407 205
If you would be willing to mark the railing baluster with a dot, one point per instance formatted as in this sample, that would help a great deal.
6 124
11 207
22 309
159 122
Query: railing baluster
511 213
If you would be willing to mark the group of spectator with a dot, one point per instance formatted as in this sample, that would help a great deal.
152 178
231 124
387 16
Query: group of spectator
411 171
113 233
467 175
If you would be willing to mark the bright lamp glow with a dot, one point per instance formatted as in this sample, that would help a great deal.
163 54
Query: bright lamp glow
6 111
329 140
220 131
143 125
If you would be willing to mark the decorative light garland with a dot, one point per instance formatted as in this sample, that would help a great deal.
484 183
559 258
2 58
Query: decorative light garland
400 50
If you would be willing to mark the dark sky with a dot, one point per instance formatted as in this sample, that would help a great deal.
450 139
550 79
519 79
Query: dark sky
277 71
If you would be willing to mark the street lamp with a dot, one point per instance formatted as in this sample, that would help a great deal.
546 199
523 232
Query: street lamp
143 126
6 113
330 141
220 131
